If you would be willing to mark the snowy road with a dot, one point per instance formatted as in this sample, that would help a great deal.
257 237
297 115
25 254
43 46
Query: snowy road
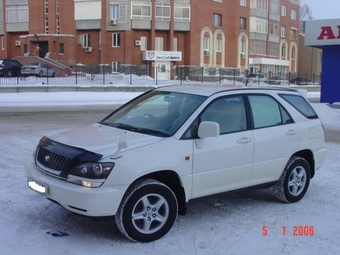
244 223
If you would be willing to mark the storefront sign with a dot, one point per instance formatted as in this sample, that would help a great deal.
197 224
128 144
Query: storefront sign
149 55
322 32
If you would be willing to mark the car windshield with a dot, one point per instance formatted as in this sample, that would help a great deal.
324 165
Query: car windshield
156 113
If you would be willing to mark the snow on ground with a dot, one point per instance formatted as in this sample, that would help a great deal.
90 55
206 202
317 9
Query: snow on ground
245 223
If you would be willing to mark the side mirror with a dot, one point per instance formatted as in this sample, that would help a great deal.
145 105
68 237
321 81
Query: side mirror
208 129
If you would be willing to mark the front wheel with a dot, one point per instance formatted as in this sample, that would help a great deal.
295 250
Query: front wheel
147 212
294 181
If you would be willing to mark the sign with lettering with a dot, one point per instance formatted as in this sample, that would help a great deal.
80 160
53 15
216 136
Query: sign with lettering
149 55
322 32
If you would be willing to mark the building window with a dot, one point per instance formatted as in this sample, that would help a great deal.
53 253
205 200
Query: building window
85 40
243 23
61 48
143 43
259 4
243 2
25 48
16 13
283 10
57 24
243 47
274 49
46 25
141 10
175 44
293 53
57 6
261 25
220 1
116 40
283 52
275 7
162 12
3 43
206 43
182 12
46 6
219 45
159 42
283 32
274 29
217 20
293 33
258 47
115 66
115 11
293 14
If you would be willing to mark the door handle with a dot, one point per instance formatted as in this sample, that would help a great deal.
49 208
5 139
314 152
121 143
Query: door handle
291 132
244 140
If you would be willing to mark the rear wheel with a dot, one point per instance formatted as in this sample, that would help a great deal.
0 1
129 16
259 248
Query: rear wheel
294 181
147 212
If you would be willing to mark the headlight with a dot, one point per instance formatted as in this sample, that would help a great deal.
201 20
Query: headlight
90 174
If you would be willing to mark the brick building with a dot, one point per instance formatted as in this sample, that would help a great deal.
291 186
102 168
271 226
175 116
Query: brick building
255 35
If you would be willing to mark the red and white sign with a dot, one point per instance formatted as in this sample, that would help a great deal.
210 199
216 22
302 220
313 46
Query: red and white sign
322 32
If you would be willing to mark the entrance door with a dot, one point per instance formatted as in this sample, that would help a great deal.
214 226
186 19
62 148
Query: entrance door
162 70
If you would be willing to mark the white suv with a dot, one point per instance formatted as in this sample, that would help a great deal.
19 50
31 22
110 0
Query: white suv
146 160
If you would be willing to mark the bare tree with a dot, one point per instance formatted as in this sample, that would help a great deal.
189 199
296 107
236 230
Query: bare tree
305 15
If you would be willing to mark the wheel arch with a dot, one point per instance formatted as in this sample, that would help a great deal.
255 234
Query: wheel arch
308 156
173 181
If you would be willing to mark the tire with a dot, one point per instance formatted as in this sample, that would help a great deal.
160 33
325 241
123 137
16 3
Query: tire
294 181
147 212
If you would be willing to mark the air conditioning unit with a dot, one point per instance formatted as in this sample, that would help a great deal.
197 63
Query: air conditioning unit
113 22
206 53
138 42
88 49
17 43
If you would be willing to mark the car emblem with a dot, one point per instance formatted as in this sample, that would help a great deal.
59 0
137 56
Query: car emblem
47 158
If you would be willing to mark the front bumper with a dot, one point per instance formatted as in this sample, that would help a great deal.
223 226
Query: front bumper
102 201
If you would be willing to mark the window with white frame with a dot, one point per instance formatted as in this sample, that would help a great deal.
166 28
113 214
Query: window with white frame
283 32
182 12
2 42
218 45
115 11
57 6
243 2
275 6
283 51
293 14
141 10
261 25
16 13
258 47
86 40
217 20
220 1
143 43
159 42
243 47
175 44
115 39
162 12
206 43
115 66
46 6
274 49
259 4
293 53
46 25
283 10
57 25
293 33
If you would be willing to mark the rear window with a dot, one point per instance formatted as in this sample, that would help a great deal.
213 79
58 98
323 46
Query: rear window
300 104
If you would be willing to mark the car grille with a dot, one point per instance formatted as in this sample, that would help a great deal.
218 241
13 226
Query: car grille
52 160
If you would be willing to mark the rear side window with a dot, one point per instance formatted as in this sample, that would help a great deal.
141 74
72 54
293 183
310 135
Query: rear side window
267 112
300 104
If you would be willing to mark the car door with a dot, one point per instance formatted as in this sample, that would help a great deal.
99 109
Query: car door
224 162
276 137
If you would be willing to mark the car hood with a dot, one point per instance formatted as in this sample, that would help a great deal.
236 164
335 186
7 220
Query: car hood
103 139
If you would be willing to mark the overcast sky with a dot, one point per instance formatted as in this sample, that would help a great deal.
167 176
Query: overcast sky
323 9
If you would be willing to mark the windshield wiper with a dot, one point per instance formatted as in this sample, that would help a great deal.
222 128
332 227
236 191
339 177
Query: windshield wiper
137 129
